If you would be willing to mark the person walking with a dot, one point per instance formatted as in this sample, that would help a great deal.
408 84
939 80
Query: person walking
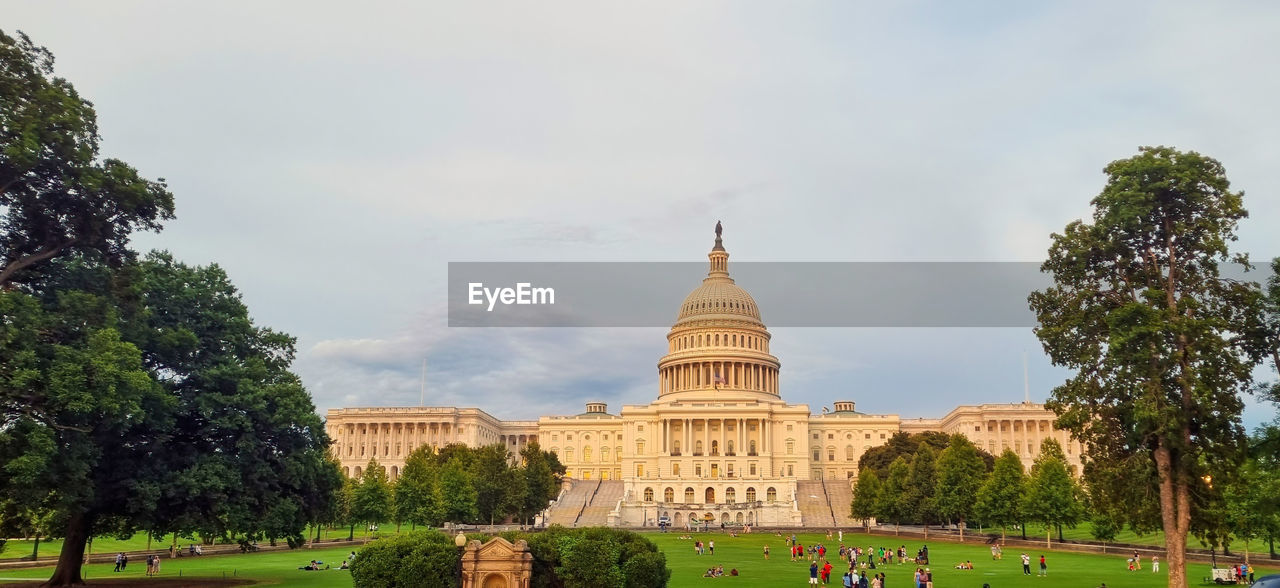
119 560
1155 564
813 573
711 547
1026 564
766 551
1044 569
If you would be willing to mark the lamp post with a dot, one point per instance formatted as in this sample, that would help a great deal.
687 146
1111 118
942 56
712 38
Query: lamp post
460 540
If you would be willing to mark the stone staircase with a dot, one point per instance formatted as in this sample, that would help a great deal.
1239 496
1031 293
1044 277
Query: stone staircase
606 498
840 495
565 511
815 511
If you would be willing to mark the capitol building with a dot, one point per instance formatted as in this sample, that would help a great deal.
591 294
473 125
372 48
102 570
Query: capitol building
719 443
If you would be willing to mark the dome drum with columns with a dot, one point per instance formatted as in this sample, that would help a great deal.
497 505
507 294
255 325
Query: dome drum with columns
717 444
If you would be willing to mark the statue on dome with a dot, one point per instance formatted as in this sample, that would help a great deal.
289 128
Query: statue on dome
719 229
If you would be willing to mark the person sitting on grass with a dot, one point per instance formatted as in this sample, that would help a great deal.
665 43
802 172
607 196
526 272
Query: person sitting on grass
966 565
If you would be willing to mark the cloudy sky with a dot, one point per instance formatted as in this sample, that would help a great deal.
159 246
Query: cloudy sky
334 157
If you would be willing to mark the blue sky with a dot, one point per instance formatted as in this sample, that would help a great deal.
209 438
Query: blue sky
333 157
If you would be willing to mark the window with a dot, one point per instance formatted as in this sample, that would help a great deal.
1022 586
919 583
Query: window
831 453
868 435
639 470
675 469
606 436
771 494
731 496
753 468
617 454
882 435
831 436
586 437
729 469
791 446
697 447
848 453
715 448
815 435
728 447
751 494
568 454
586 455
710 495
788 427
640 447
555 437
669 495
648 494
817 454
697 470
791 470
751 447
640 428
604 455
675 447
688 494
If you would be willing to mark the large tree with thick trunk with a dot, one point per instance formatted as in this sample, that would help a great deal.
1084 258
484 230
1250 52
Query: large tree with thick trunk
1161 342
135 395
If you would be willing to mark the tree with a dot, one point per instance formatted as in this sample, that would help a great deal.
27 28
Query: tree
878 459
415 491
493 483
541 481
456 493
960 473
999 500
345 506
590 562
920 494
1161 344
893 503
866 494
56 198
1053 498
372 503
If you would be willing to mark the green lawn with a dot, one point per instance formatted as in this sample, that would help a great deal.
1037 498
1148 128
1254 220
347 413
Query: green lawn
743 553
19 548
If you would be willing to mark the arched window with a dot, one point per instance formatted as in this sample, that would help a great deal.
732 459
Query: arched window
848 453
586 455
710 495
715 447
648 494
730 496
675 447
395 473
739 518
669 495
751 447
771 494
751 493
358 471
728 447
688 494
346 471
697 447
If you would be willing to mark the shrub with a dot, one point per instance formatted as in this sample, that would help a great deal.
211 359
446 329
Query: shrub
425 559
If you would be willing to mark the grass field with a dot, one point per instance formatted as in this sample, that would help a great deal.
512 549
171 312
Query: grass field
744 553
21 548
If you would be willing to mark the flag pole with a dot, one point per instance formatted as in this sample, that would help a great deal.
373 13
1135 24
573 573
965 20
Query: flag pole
422 388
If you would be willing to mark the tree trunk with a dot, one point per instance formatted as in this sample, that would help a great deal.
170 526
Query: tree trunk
71 559
352 533
35 551
962 530
1048 536
1175 515
1060 539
